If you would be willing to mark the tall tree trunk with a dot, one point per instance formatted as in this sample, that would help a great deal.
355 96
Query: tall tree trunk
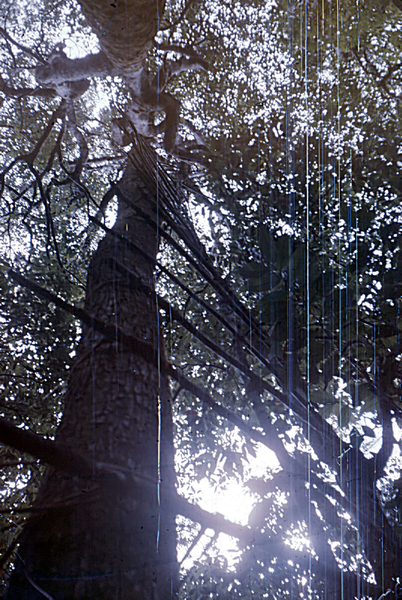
89 539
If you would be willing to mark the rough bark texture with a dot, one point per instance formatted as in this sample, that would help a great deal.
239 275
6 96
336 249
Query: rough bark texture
98 539
125 30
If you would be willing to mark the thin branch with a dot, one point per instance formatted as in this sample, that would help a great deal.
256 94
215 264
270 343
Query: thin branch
370 69
210 309
25 49
257 382
37 587
173 25
12 92
65 459
81 141
169 69
61 457
145 349
193 544
30 157
184 50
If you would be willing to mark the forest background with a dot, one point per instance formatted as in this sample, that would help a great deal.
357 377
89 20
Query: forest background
201 274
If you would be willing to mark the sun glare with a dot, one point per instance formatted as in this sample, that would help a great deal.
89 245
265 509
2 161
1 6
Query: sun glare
234 502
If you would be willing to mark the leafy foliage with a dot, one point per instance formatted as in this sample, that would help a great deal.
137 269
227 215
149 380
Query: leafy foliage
291 147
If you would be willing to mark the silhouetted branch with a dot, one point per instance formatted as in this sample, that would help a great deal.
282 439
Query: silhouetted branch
12 92
61 457
24 49
57 455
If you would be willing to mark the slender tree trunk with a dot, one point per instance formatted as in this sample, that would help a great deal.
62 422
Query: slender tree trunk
89 539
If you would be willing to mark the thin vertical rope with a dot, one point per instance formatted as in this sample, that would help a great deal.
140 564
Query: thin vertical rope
307 175
321 169
290 172
159 404
338 196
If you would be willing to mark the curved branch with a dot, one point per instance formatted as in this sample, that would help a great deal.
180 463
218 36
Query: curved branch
60 69
180 17
169 69
184 50
25 49
81 141
12 92
30 157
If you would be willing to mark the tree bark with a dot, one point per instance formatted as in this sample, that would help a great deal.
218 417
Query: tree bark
89 538
125 30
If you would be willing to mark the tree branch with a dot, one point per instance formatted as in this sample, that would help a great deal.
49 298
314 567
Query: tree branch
12 92
148 353
61 457
25 49
57 455
60 69
169 69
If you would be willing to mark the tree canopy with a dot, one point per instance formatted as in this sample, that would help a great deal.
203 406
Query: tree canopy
266 138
